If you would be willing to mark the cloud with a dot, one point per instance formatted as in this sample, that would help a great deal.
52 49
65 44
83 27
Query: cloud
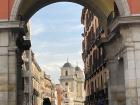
60 9
52 70
37 28
51 64
56 35
63 45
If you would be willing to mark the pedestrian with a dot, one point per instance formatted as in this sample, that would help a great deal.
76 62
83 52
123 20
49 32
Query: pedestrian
46 101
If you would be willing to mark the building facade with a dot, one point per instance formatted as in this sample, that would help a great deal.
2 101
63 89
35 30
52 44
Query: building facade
107 56
59 94
124 47
96 73
72 80
42 85
49 89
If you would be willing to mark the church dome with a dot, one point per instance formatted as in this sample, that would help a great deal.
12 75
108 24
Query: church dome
67 65
77 68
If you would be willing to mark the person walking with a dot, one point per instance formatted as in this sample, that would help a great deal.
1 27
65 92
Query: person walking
46 101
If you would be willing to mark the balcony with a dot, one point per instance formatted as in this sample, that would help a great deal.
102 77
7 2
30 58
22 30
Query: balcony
94 40
84 53
94 69
97 97
67 77
89 75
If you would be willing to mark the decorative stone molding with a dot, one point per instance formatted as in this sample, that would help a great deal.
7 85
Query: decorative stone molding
15 9
11 24
124 20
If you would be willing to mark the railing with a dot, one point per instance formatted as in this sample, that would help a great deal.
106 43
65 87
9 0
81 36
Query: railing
66 77
94 40
98 96
94 69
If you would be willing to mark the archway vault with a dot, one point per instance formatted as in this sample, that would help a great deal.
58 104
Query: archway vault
27 8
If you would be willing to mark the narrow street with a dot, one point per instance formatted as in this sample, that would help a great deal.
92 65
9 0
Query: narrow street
69 52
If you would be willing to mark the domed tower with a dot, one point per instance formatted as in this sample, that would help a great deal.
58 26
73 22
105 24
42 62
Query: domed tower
79 85
67 70
67 81
79 73
72 80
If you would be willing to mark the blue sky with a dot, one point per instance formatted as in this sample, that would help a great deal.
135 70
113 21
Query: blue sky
56 35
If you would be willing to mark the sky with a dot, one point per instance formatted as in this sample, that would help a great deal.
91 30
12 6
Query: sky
56 35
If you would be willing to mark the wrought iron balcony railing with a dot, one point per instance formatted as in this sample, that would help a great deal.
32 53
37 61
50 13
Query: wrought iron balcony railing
94 69
97 97
94 40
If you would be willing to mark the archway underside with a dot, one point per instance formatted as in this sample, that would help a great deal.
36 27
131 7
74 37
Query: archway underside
101 8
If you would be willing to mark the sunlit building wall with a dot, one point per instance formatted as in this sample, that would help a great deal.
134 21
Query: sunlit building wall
96 74
42 84
59 94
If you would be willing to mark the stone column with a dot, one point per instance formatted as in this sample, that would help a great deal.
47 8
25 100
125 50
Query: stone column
8 62
7 68
131 40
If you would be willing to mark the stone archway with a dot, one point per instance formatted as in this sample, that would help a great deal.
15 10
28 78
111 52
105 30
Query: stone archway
101 8
29 11
127 26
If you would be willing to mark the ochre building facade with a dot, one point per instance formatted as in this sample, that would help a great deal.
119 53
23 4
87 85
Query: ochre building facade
42 85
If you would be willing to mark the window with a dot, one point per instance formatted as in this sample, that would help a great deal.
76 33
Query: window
66 84
101 81
92 87
66 73
95 85
66 95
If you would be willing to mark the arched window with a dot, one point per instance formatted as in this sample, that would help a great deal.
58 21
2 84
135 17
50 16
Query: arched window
95 85
98 82
95 23
92 87
66 73
101 81
66 83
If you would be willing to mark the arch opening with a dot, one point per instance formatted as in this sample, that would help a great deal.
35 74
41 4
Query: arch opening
56 28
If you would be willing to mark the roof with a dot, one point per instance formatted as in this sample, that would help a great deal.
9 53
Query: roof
77 68
67 65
